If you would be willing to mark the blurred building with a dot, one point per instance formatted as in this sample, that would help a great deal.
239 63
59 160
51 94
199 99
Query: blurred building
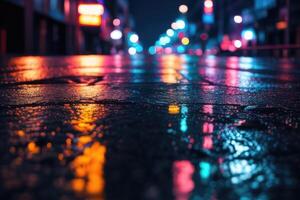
38 27
53 27
269 24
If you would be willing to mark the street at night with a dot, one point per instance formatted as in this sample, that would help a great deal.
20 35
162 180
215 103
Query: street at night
149 128
149 100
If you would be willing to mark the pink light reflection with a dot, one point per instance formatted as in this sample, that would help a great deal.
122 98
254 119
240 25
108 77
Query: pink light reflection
208 127
183 179
208 142
208 109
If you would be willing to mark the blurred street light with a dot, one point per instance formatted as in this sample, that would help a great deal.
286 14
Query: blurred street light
164 40
238 19
180 24
134 38
152 50
132 51
116 35
248 35
237 44
185 41
183 9
174 26
170 32
116 22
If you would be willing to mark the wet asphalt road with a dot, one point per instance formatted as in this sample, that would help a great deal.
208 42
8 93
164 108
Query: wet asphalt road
170 127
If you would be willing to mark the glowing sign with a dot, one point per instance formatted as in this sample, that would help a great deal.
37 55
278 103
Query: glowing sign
90 14
91 9
90 20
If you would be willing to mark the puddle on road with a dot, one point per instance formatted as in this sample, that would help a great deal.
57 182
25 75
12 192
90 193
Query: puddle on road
173 147
93 150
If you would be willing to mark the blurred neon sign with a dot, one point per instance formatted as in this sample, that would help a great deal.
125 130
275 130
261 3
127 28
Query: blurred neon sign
90 14
90 9
90 20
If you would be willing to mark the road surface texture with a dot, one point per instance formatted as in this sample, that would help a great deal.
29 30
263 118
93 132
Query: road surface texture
168 127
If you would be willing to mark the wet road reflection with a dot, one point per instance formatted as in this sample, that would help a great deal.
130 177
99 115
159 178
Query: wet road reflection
169 127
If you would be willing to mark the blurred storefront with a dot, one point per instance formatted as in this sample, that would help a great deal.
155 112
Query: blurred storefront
51 27
271 25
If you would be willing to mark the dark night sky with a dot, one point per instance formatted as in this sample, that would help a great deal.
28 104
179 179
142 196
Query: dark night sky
153 17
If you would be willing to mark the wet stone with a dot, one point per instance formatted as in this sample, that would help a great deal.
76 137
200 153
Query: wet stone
169 127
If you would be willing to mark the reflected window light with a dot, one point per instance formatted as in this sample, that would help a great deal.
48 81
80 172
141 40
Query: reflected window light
208 127
208 109
89 170
90 61
205 169
33 148
183 120
183 179
85 121
173 109
208 142
231 78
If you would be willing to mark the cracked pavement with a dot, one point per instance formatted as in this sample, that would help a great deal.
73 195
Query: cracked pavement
168 127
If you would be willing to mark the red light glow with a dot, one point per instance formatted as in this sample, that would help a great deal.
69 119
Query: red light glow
281 25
